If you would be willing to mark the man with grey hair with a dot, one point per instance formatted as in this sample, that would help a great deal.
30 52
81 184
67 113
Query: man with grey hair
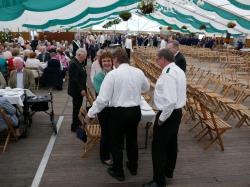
77 85
44 56
169 98
180 60
21 77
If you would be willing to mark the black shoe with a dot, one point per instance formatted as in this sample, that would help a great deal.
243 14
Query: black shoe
132 171
112 173
152 184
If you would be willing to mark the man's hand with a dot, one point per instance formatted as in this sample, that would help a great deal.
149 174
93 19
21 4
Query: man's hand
87 119
83 93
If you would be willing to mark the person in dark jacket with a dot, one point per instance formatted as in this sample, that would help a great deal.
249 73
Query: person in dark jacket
52 74
44 56
77 85
180 60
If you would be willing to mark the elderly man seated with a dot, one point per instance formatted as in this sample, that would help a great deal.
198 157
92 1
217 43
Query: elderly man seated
11 113
21 77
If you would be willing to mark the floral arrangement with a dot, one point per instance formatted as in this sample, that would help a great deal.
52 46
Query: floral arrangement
169 28
203 27
125 16
116 21
231 25
111 23
5 37
146 6
184 27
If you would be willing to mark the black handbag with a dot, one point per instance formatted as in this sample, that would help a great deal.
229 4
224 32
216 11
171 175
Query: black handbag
81 134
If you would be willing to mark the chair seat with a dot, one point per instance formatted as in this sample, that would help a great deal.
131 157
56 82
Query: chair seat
245 112
221 125
226 100
237 107
213 94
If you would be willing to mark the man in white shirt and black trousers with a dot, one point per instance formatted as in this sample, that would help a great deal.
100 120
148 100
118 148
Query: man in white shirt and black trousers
121 91
169 98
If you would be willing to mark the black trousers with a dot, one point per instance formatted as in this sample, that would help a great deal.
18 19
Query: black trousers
164 146
103 118
77 103
128 52
123 124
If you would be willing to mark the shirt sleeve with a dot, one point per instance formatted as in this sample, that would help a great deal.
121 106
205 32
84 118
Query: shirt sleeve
105 95
170 94
145 83
92 73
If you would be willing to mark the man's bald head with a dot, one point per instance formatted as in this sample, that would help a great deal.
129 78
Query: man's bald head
18 63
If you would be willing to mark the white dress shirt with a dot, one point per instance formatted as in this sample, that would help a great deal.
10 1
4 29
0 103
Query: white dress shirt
121 87
102 39
19 79
95 68
163 44
128 44
170 90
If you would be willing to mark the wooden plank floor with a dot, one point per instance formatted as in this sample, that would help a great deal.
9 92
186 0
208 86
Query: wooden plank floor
195 166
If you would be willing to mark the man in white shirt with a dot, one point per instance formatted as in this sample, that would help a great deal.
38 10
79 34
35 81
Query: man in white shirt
21 41
163 44
169 98
128 45
121 91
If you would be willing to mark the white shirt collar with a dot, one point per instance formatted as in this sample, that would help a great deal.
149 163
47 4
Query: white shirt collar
176 53
123 65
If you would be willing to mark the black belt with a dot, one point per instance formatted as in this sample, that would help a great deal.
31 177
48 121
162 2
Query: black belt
177 109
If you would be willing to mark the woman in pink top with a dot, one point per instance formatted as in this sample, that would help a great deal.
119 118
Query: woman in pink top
63 60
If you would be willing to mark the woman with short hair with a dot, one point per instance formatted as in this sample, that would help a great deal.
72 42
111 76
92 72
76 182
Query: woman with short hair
106 64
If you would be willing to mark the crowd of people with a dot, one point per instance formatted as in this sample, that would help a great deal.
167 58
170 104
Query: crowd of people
118 87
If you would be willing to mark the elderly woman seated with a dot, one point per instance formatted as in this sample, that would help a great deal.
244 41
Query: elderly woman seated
52 75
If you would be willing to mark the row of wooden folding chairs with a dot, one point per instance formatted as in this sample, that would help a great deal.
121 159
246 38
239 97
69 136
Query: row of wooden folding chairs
208 122
150 70
230 105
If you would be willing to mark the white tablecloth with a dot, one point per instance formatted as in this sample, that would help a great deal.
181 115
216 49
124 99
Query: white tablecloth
245 49
148 115
15 96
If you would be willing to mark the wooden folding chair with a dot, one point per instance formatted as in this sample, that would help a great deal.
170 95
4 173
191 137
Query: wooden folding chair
93 129
215 126
10 129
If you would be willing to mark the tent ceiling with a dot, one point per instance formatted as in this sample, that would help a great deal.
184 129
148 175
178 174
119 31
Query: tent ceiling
69 14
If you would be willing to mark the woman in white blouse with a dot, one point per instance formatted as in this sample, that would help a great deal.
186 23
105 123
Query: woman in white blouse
33 63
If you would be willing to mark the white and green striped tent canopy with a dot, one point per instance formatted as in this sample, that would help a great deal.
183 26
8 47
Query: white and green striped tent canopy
70 14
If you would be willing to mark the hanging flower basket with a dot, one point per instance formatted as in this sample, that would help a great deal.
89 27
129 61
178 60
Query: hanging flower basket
184 27
203 27
116 21
146 6
125 16
169 28
231 25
